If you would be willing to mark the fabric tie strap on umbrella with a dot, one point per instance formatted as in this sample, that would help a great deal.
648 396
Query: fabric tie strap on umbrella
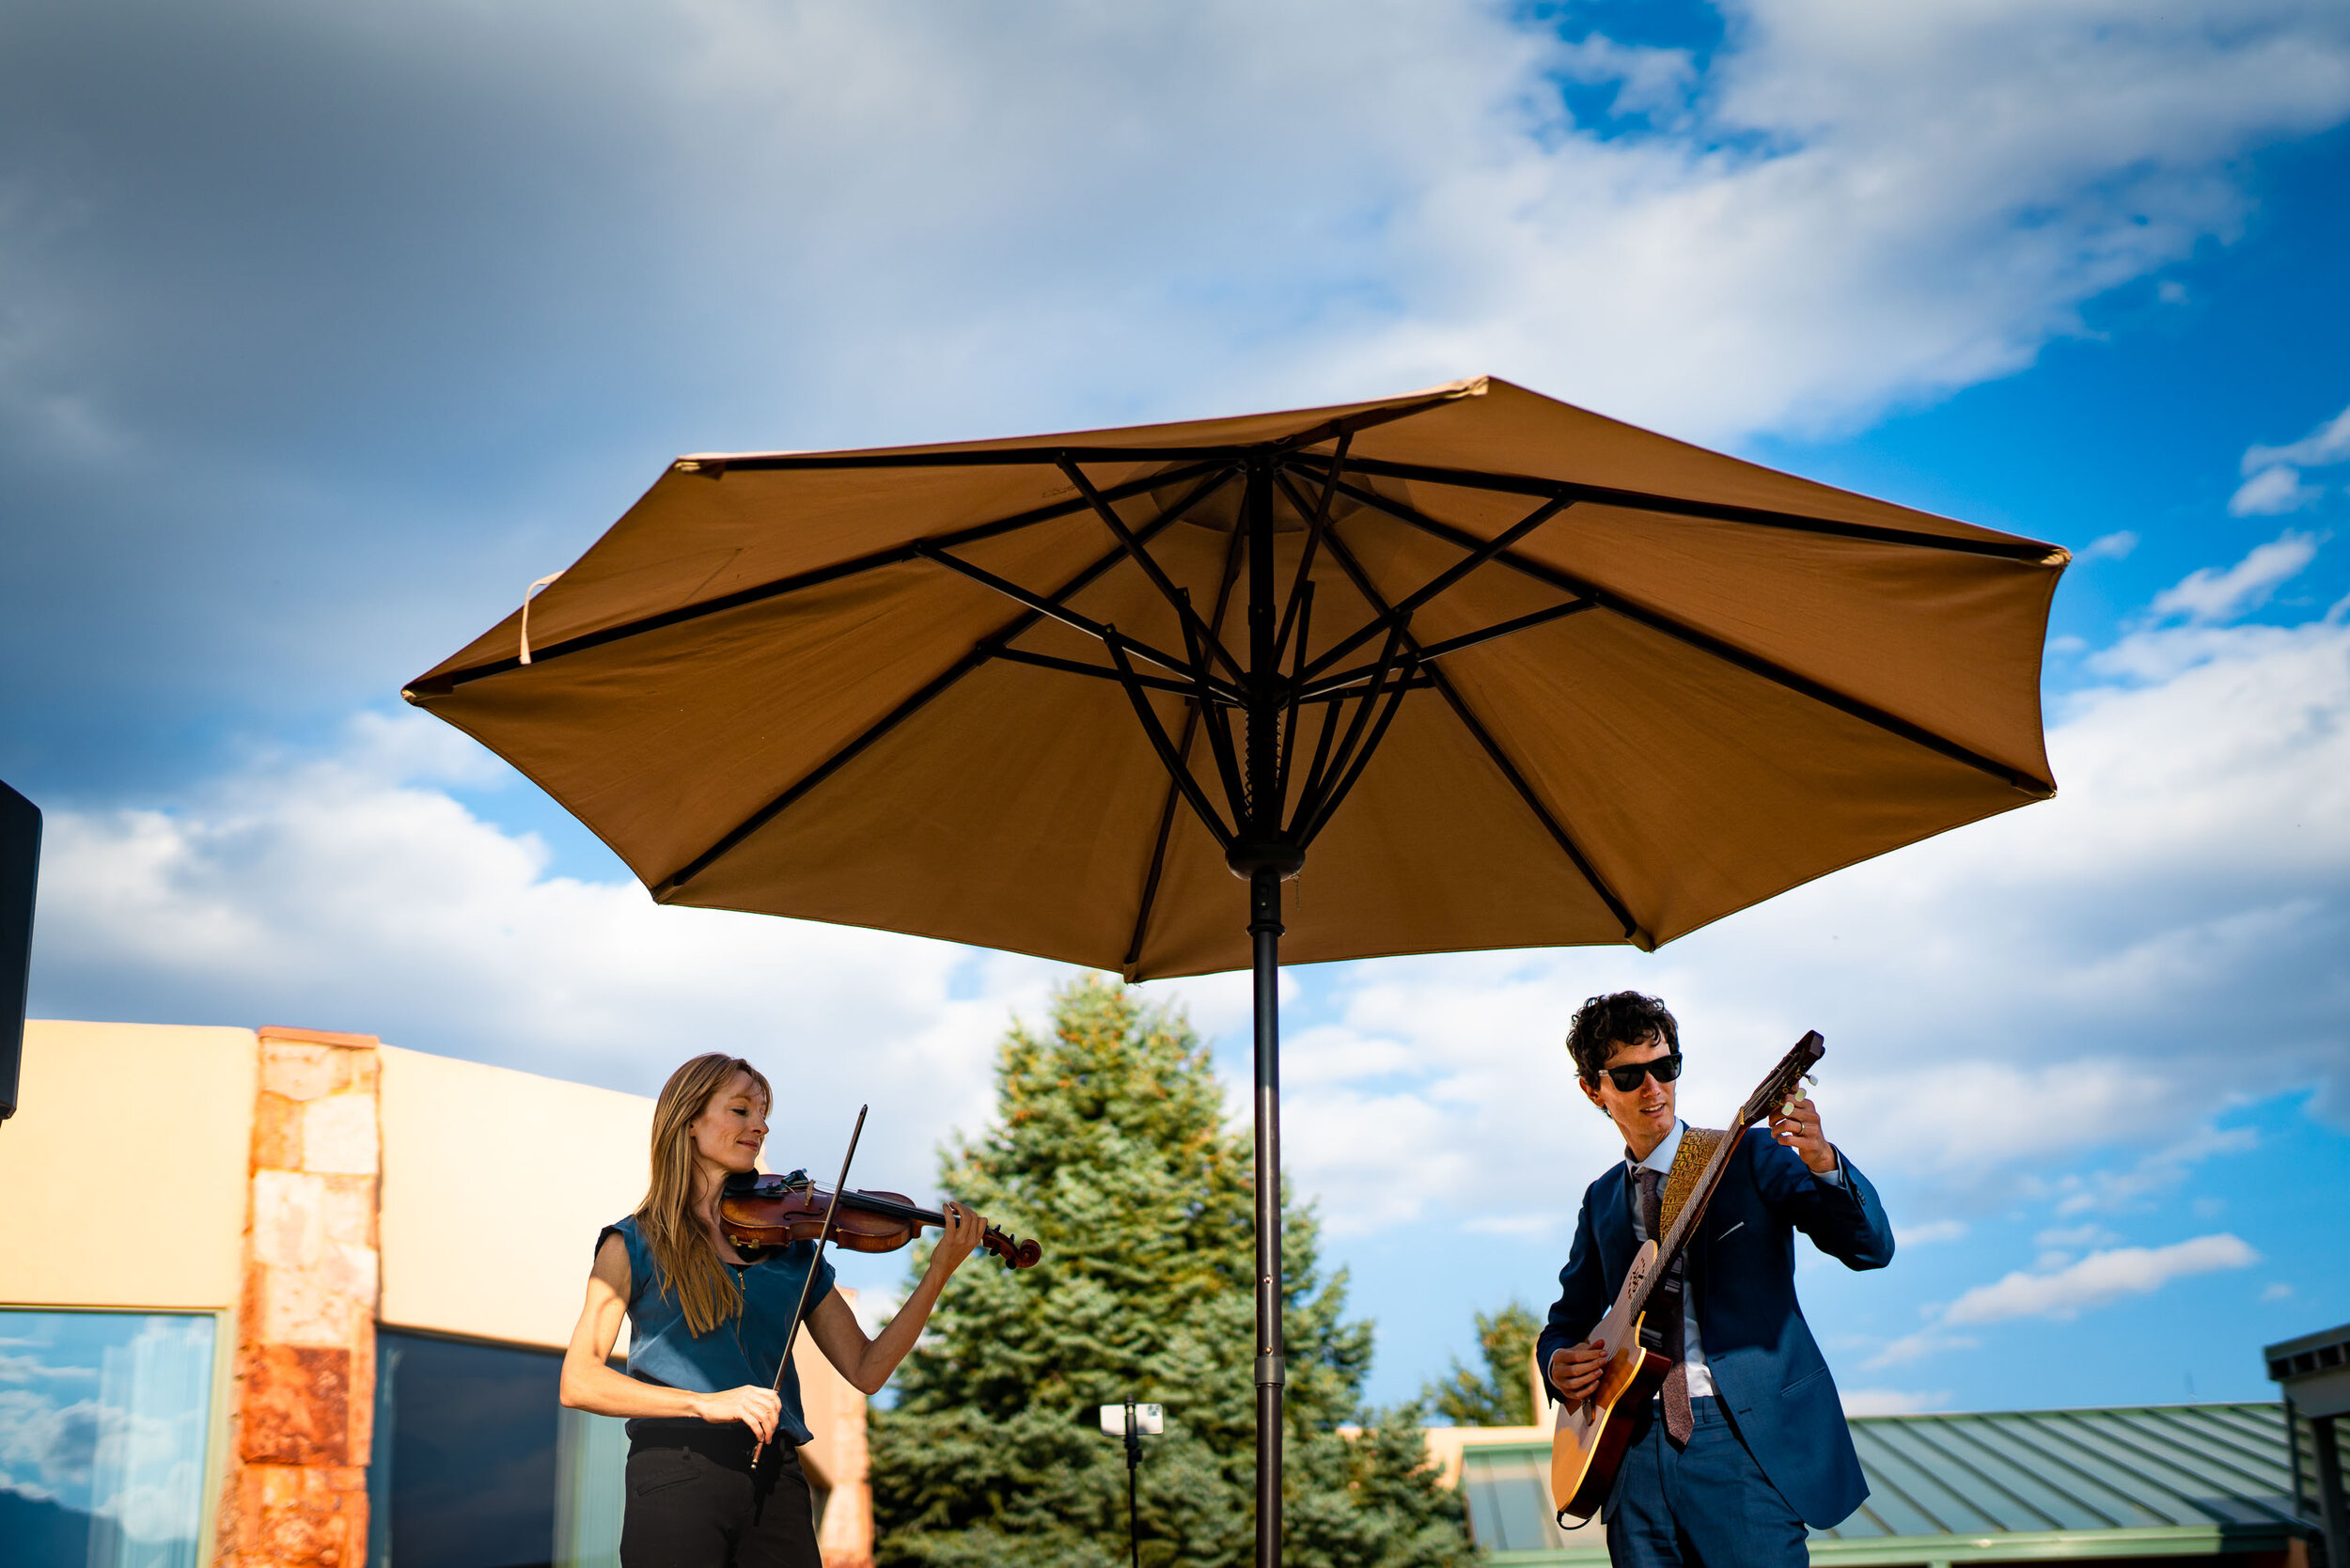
1514 673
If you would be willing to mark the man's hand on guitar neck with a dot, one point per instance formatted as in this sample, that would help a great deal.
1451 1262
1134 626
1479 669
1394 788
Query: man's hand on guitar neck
1575 1371
1798 1127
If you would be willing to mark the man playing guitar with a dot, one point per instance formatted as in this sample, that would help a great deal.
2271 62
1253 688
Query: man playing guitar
1746 1442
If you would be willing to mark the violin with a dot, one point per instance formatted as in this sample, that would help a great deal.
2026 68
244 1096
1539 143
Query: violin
756 1212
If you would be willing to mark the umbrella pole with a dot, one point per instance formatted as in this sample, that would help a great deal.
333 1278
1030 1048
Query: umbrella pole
1264 927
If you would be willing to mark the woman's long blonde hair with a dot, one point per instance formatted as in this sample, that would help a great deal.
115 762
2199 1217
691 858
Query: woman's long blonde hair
683 1258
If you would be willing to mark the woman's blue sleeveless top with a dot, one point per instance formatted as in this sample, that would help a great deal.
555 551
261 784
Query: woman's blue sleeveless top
664 1349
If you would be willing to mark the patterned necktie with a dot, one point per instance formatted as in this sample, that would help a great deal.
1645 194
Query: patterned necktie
1678 1421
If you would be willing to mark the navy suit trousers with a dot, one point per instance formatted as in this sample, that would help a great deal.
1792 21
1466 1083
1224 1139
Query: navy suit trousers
1706 1505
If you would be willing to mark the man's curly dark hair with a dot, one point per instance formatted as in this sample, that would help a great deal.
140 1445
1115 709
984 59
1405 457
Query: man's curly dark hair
1620 1018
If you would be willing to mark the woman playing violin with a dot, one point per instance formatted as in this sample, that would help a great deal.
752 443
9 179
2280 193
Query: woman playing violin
709 1329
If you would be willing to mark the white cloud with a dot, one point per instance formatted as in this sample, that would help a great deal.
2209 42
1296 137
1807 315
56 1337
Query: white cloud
1917 1347
1529 1227
2060 1287
696 224
2276 1290
1648 82
2273 474
2097 1281
1894 1402
2271 490
896 212
2076 1235
2106 547
1868 203
1931 1233
2155 1172
355 893
2208 595
2322 447
1851 205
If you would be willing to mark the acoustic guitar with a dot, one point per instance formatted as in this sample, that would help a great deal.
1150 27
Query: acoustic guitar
1588 1445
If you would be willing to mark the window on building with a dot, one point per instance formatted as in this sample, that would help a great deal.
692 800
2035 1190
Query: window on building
105 1418
1508 1493
477 1466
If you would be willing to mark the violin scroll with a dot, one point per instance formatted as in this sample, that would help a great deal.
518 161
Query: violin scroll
1013 1252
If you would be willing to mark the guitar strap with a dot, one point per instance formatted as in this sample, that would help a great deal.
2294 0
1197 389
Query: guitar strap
1689 1162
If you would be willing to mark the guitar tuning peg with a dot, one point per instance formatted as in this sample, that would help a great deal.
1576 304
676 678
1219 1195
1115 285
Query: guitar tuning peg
1810 1077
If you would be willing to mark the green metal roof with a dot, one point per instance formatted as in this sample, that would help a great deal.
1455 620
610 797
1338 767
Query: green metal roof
2010 1486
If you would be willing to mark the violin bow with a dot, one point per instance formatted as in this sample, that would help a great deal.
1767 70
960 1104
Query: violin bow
791 1334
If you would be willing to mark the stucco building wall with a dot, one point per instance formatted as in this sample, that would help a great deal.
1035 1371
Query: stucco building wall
126 1168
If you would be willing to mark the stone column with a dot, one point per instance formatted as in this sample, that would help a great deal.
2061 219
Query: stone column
296 1489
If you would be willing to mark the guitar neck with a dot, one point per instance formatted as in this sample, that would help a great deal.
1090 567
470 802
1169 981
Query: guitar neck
1692 1211
1776 1085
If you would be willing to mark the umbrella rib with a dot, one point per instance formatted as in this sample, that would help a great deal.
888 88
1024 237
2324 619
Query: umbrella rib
1103 672
1332 691
1219 722
981 652
1326 807
1509 769
1301 586
1705 642
1001 456
1166 805
1194 629
1052 609
1449 645
1158 849
1312 798
817 577
1442 580
1638 501
1166 748
1453 644
1339 688
1302 597
998 457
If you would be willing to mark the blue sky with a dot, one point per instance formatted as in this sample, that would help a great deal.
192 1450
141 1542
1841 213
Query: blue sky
321 334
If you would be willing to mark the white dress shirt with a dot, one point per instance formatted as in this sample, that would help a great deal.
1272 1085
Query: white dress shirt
1660 1159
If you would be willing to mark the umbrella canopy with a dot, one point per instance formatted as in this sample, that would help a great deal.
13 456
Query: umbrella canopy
1515 673
871 687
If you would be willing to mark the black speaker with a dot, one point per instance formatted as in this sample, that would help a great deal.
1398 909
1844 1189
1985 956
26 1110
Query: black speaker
19 869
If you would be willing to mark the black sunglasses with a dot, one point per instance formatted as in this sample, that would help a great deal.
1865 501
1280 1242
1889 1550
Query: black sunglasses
1666 1069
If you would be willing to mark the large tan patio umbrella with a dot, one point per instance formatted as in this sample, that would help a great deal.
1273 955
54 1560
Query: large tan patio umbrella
1517 674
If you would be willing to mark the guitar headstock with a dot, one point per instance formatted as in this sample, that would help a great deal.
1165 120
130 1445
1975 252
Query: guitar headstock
1785 1080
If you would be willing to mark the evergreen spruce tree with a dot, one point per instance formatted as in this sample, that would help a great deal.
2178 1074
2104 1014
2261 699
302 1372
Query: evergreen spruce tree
1110 1149
1503 1393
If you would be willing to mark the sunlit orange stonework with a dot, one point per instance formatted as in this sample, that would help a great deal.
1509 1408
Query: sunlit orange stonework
295 1490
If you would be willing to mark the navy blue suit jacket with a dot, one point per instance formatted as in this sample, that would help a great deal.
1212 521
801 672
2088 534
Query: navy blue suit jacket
1768 1368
